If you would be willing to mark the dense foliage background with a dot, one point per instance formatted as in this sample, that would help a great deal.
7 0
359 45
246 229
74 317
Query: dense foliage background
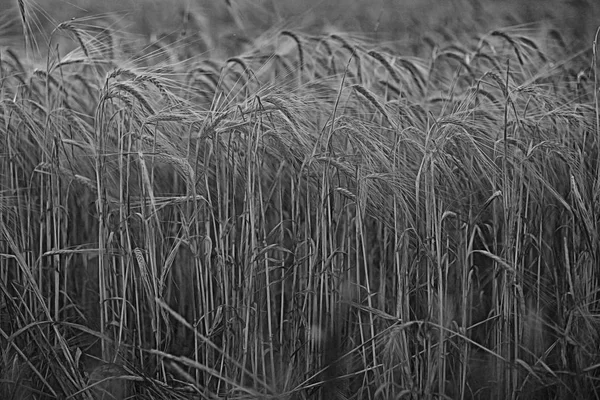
282 199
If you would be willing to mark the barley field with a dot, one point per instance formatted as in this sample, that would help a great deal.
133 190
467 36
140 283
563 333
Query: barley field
352 199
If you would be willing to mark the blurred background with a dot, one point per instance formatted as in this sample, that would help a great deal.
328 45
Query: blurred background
225 26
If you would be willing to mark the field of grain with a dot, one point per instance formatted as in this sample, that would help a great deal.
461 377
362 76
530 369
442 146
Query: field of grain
299 200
